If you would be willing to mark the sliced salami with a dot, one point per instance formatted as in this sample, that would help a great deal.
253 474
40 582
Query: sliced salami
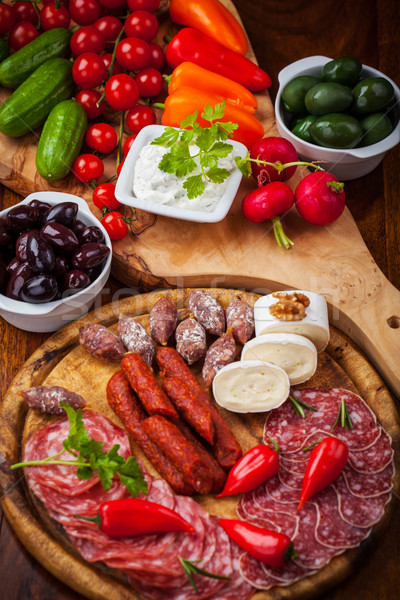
375 458
265 578
369 485
258 508
278 491
357 511
237 588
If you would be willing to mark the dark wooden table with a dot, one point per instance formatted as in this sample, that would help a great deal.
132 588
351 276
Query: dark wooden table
280 32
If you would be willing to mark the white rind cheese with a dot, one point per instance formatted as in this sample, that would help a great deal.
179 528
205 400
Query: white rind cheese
251 386
293 353
314 326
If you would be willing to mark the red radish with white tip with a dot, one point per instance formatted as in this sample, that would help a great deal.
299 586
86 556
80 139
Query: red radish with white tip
320 198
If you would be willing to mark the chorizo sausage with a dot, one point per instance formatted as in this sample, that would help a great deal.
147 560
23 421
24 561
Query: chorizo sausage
196 413
191 342
207 311
226 448
163 320
101 342
222 352
124 403
240 318
136 339
143 382
46 399
180 451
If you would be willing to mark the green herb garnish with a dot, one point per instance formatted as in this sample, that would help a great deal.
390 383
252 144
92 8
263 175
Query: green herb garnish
343 416
90 457
191 569
299 406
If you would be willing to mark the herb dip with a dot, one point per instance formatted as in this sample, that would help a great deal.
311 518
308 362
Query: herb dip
153 185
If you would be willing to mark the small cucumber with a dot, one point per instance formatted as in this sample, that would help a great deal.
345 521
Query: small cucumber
61 140
50 44
29 105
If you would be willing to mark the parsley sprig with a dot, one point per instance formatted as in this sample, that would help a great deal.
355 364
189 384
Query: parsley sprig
90 457
210 143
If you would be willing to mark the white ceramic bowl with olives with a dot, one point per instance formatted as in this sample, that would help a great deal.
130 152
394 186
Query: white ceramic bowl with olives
55 258
368 133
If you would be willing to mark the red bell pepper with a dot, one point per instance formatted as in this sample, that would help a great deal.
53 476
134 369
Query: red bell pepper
326 462
256 466
131 516
270 547
195 47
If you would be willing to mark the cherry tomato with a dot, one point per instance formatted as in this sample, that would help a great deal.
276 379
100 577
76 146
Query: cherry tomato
121 92
128 143
8 18
88 100
157 56
21 34
87 39
139 116
150 82
101 137
53 17
119 168
24 11
104 197
133 53
112 3
88 70
87 167
85 12
107 61
115 225
142 24
150 5
109 27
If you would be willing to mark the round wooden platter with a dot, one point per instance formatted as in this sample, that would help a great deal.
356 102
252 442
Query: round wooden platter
62 361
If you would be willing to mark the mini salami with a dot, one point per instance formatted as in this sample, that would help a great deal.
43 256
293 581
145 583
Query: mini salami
101 342
240 318
163 320
46 399
207 311
191 340
136 339
221 353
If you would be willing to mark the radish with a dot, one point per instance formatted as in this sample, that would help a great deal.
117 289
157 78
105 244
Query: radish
320 198
270 201
271 157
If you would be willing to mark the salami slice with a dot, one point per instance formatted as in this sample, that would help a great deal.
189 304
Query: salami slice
375 458
278 491
265 577
357 511
257 508
237 588
369 485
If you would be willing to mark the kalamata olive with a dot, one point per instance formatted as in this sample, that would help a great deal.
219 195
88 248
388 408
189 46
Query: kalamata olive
74 281
64 213
40 254
6 236
13 265
77 227
21 218
39 288
4 273
90 255
63 240
18 278
61 267
41 206
20 245
91 233
94 272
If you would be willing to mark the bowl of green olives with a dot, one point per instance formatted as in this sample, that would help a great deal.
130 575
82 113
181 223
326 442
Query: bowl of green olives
338 113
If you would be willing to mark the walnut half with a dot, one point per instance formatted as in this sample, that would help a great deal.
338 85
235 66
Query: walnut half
290 306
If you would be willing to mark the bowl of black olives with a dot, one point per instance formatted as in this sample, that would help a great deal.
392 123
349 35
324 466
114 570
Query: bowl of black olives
55 258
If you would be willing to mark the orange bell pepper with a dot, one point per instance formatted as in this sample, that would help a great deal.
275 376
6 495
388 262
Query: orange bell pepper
186 100
211 18
188 74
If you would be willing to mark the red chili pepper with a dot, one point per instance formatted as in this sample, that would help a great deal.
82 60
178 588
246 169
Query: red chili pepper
326 462
130 516
195 47
256 466
270 547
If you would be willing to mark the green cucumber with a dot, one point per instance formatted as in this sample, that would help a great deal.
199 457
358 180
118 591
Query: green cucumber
50 44
61 140
29 105
4 49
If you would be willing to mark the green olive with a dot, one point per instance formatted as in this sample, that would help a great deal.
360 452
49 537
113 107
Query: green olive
371 95
345 70
375 128
336 130
328 97
301 129
293 93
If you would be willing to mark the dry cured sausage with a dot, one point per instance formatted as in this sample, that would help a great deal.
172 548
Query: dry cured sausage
240 318
191 341
221 353
163 320
136 339
46 399
207 311
101 342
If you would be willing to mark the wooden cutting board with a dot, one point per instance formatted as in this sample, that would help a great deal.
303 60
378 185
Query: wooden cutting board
168 253
61 360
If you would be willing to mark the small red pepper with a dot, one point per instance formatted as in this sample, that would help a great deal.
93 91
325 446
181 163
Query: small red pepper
270 547
256 466
195 47
131 516
326 462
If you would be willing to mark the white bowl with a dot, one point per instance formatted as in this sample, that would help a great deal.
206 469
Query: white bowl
345 164
124 188
50 316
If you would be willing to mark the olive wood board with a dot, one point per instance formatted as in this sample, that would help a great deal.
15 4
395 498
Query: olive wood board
61 360
166 253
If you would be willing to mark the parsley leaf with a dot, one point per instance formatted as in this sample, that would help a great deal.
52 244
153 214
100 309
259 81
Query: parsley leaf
168 138
217 175
213 114
194 186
